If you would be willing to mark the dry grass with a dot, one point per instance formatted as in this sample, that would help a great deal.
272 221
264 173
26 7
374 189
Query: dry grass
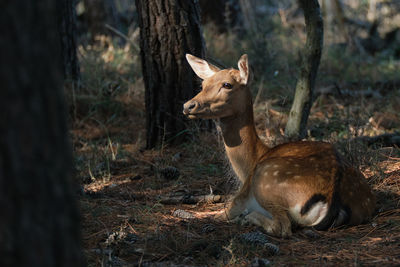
129 203
124 221
124 187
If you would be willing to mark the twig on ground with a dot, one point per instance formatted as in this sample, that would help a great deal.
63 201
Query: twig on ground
188 199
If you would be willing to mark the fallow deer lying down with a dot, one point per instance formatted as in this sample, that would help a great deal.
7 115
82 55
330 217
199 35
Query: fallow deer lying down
293 184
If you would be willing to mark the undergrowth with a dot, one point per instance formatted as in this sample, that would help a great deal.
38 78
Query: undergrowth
125 220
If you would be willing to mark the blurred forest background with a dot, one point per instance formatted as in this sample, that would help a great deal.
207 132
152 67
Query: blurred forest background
137 202
145 173
359 62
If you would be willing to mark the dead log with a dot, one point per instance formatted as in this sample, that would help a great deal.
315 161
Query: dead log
337 91
385 140
359 89
190 199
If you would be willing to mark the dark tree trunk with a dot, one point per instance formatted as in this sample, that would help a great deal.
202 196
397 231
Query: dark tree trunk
66 20
222 13
297 122
168 30
39 222
98 13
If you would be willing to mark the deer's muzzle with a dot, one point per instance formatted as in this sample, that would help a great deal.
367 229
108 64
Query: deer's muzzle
190 106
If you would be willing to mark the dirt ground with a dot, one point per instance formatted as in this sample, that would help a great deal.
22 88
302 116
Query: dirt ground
152 207
149 207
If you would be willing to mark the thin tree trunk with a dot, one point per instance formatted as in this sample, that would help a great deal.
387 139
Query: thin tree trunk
249 17
39 222
297 122
168 30
68 38
98 13
222 13
341 20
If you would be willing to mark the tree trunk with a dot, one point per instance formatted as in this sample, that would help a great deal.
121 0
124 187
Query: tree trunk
222 13
98 13
39 222
168 30
297 122
249 17
341 20
66 19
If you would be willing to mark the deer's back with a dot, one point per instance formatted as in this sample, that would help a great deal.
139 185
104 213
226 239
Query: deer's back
311 181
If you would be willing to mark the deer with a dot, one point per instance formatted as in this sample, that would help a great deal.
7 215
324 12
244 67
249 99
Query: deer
292 185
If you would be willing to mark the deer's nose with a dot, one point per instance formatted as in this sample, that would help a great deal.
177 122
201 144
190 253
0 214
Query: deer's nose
189 106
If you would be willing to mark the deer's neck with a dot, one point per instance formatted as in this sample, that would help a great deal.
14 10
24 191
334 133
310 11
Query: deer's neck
242 144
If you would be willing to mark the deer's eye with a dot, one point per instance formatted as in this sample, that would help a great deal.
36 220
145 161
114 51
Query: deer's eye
227 85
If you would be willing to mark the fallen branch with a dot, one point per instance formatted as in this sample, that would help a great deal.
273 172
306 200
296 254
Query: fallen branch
352 89
384 139
124 36
336 90
189 199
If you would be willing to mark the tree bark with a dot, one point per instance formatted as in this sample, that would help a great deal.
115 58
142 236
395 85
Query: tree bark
66 21
39 224
298 116
168 30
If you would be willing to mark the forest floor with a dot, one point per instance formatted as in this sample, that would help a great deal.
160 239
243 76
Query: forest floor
129 207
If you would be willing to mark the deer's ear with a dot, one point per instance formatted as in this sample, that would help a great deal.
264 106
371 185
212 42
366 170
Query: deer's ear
243 65
201 67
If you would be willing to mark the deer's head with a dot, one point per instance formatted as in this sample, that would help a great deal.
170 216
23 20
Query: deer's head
224 92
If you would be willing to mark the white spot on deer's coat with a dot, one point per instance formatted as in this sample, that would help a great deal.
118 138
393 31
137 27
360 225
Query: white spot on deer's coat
297 177
288 173
276 173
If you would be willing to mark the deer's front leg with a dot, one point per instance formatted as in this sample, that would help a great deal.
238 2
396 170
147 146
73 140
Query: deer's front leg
234 209
239 204
279 225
